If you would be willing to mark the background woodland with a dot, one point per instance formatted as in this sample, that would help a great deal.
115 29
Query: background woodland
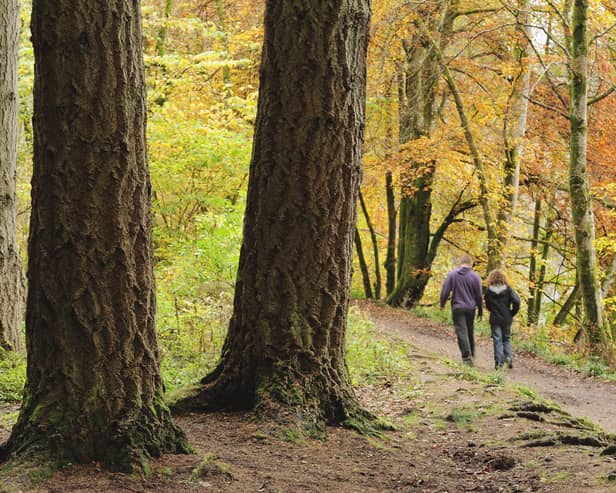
467 148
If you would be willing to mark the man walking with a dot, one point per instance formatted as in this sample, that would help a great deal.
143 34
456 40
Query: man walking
464 285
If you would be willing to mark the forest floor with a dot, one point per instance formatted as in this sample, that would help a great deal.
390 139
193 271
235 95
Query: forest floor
458 430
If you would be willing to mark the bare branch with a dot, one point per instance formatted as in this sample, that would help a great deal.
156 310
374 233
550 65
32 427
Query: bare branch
601 34
547 75
548 107
598 98
485 10
472 77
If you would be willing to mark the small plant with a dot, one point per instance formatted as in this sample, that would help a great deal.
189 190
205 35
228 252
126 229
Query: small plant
525 391
594 368
211 466
373 359
292 435
462 416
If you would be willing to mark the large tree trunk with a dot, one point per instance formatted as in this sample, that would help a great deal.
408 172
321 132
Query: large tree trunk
93 391
11 276
285 349
599 336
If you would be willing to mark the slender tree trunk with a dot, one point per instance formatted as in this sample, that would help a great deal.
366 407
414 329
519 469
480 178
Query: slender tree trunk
599 336
93 391
11 275
363 266
375 248
610 277
285 349
488 213
222 25
161 38
569 303
513 132
545 250
390 259
532 268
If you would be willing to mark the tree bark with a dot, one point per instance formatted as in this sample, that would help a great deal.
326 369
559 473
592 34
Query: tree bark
11 276
390 259
285 350
93 391
599 337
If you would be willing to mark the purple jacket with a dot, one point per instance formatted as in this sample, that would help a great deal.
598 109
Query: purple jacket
465 287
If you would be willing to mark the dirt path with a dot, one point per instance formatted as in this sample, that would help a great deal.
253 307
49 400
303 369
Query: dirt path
580 396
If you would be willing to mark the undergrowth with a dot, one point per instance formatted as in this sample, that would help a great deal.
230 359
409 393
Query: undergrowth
12 376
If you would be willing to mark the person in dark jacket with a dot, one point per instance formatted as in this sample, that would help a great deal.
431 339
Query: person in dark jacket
503 303
464 285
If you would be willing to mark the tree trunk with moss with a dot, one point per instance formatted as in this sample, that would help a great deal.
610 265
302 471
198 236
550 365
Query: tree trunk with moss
93 391
417 98
390 257
11 276
285 350
598 335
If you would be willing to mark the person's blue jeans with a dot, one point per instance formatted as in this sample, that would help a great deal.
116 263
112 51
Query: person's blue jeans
501 338
464 323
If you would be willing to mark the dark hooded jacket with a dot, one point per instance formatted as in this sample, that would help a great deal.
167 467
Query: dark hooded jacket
503 303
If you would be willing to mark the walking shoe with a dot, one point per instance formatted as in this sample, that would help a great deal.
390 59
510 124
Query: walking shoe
509 363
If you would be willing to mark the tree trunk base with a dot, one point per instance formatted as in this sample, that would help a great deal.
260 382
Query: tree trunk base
407 295
306 402
124 446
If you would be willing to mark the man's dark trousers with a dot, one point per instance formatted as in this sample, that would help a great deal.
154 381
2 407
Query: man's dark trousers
464 323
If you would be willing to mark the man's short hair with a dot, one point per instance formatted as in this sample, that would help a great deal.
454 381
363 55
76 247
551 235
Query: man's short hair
465 259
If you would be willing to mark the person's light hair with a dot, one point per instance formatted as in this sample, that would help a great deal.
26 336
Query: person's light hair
496 277
465 259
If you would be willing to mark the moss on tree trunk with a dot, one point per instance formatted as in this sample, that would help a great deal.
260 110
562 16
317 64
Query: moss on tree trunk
599 336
